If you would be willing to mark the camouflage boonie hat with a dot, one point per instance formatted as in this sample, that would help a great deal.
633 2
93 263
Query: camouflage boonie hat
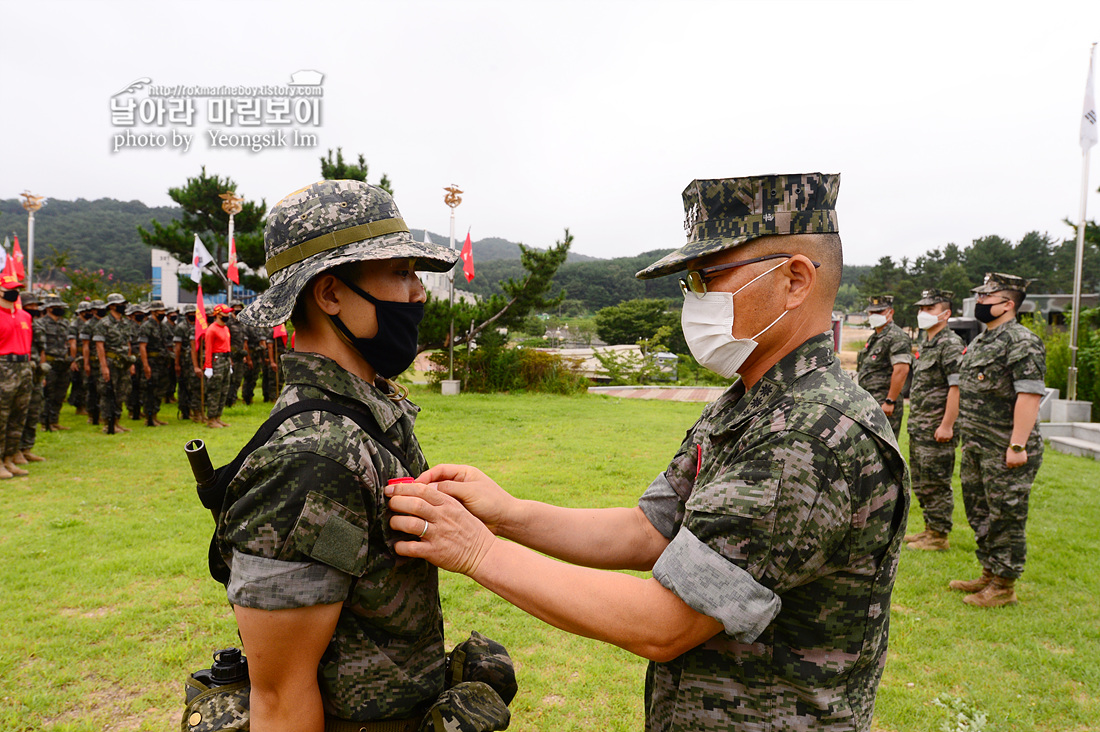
326 224
933 296
30 299
187 308
725 213
99 304
83 305
154 305
114 298
997 281
236 304
131 309
876 303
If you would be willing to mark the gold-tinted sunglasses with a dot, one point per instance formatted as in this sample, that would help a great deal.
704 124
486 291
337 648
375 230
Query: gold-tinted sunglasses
695 280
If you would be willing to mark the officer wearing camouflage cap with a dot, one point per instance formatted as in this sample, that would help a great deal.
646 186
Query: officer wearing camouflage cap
768 606
933 409
1002 379
331 623
882 367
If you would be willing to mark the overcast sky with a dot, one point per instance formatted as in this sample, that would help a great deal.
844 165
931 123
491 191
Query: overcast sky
947 120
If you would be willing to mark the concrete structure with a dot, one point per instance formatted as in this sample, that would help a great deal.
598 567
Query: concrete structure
1073 438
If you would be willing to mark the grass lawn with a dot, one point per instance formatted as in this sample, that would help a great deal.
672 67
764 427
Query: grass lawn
107 604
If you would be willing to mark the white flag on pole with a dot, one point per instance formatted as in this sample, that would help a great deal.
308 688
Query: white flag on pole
4 253
200 257
427 239
1088 117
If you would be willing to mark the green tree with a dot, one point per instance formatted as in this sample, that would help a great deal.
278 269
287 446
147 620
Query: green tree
202 215
520 298
337 169
634 321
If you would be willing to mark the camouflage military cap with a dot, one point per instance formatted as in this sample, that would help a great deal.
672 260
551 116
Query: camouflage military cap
83 305
236 304
326 224
933 296
131 309
187 308
725 213
53 301
154 305
997 281
114 299
98 304
876 303
30 298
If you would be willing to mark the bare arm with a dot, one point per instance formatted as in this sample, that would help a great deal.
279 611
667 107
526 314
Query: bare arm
639 615
284 648
1023 421
606 538
946 430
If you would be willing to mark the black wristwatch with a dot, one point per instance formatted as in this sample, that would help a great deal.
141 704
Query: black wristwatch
888 400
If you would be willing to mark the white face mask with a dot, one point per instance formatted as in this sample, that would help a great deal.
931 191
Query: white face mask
927 320
876 320
708 329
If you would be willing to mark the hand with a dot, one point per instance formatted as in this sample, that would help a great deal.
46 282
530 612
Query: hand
147 371
105 373
177 369
1015 459
888 409
248 361
198 371
450 536
75 366
478 493
944 434
132 370
208 372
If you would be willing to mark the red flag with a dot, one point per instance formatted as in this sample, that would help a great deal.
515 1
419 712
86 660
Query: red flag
200 315
468 259
7 275
231 268
17 255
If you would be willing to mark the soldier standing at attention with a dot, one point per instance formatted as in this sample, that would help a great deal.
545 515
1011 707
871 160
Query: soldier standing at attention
933 409
238 352
217 364
168 334
152 352
256 345
15 373
76 378
883 364
59 354
773 535
32 304
182 339
1002 380
135 316
98 310
112 344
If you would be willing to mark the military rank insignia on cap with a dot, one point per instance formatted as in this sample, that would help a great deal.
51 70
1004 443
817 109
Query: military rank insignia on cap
724 213
933 296
879 302
997 281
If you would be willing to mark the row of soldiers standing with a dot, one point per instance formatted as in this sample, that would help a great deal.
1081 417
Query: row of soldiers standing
113 355
992 388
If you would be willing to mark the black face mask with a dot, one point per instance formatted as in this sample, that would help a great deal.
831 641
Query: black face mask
190 318
983 311
138 317
101 312
10 295
159 317
57 311
87 315
34 313
393 349
172 318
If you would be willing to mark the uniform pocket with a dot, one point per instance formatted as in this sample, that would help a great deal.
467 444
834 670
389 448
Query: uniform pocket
332 534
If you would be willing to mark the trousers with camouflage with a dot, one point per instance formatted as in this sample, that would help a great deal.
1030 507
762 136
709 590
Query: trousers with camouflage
15 397
996 499
34 407
234 386
57 383
931 465
156 386
217 387
113 396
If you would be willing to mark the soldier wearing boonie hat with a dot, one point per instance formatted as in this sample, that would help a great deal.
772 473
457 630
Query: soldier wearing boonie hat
58 350
308 511
111 338
770 476
1002 379
933 409
883 364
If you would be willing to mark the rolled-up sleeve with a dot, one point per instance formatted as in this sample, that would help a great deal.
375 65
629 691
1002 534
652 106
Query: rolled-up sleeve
712 585
273 584
661 506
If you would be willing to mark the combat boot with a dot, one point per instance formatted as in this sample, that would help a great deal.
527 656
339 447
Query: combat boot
1001 591
18 458
933 541
908 538
30 457
13 468
5 473
972 585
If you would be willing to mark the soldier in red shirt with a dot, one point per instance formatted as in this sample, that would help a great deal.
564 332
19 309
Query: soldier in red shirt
15 373
217 365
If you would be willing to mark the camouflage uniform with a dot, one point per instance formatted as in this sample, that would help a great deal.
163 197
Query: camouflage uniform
933 463
115 335
137 379
237 337
56 336
257 348
76 375
305 523
875 366
91 375
998 365
38 382
785 507
151 333
184 336
168 334
15 387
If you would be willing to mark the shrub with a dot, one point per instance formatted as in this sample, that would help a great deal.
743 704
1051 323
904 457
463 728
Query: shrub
493 367
1058 357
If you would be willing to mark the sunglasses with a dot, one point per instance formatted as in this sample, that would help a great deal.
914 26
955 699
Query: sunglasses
696 279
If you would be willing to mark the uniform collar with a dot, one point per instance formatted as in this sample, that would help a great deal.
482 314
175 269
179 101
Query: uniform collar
321 372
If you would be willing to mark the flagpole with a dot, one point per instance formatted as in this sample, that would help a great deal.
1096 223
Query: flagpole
452 199
231 204
32 203
1088 139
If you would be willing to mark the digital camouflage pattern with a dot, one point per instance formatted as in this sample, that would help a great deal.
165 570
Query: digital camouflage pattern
157 348
56 336
38 383
876 303
932 463
15 396
725 213
114 333
479 658
470 706
999 364
257 349
794 495
324 225
934 295
305 522
875 366
217 385
217 708
997 281
237 339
